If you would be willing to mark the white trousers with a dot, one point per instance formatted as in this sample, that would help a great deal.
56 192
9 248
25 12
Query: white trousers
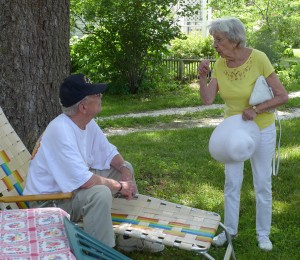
261 164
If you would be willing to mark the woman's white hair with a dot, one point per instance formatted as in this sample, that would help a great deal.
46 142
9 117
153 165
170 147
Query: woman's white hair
233 28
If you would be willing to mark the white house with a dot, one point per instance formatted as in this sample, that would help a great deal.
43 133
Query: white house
197 22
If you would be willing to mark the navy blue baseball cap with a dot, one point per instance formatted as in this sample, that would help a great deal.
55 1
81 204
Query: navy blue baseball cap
76 87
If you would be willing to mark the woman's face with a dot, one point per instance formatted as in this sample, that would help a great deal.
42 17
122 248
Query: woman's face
223 46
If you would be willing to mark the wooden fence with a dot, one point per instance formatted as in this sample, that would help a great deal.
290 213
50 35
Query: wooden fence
184 69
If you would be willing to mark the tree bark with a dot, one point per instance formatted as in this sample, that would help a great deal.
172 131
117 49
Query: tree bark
34 60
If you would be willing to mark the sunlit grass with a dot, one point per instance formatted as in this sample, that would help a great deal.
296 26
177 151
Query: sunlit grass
175 165
150 121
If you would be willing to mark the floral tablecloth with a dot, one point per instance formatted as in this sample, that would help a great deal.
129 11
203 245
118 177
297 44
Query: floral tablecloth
33 234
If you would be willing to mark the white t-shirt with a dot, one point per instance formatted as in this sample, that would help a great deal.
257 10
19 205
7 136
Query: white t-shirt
65 154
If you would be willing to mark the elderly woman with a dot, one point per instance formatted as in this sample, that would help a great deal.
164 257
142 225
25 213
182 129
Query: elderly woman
234 76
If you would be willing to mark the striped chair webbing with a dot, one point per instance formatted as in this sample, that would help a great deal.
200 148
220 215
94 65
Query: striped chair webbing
14 162
165 222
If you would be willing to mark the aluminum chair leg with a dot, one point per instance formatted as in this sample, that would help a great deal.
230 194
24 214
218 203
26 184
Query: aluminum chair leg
229 251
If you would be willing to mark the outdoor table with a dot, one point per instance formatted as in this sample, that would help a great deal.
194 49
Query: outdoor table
34 234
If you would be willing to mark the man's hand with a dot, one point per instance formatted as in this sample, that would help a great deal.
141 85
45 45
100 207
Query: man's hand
128 189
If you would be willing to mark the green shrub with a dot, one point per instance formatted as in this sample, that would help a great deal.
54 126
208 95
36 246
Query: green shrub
267 41
288 52
193 45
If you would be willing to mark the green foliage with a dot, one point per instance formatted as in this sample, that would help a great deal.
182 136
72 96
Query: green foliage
123 35
87 58
192 45
295 70
158 80
267 41
290 77
288 52
279 16
296 53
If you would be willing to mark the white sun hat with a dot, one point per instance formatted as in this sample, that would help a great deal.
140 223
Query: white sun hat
234 140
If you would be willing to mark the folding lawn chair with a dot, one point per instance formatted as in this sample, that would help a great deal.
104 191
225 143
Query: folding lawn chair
168 223
14 162
144 217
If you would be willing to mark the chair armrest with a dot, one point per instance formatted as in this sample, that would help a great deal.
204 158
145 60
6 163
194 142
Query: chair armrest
38 197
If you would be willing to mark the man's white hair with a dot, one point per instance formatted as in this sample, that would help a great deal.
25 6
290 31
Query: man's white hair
72 110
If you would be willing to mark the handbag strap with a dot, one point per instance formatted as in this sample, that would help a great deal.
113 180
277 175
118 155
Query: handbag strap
276 159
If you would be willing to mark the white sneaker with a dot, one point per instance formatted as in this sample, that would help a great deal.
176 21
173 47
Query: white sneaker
135 244
264 243
219 240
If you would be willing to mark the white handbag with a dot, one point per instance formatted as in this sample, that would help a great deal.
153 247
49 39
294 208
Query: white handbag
261 93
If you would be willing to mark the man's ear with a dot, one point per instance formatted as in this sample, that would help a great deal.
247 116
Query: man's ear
82 107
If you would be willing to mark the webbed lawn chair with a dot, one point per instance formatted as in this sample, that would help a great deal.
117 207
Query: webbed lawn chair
14 162
144 217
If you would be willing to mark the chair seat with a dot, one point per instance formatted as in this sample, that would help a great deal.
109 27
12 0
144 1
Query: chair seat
164 222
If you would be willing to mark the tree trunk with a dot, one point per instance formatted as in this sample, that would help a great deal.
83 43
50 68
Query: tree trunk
34 60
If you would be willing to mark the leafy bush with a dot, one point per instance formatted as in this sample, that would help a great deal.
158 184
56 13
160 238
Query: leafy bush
267 41
126 34
87 58
193 45
288 52
290 77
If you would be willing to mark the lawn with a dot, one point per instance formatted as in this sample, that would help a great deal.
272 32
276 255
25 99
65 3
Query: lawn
175 165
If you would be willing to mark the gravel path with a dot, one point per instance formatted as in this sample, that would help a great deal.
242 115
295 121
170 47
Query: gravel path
205 122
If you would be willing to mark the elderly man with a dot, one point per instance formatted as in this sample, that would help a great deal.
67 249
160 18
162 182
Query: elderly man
73 155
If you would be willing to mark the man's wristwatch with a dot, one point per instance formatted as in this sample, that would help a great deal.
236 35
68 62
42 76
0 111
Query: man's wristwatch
121 186
255 109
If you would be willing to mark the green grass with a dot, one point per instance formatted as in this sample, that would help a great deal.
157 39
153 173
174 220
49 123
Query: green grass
175 165
148 121
186 95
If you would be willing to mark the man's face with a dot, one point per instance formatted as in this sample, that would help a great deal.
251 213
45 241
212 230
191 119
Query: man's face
93 105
